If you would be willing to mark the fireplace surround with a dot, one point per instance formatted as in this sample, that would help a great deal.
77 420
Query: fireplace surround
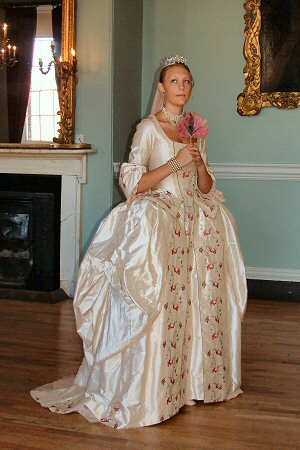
71 167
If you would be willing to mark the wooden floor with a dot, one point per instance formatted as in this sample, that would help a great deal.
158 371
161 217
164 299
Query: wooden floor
38 344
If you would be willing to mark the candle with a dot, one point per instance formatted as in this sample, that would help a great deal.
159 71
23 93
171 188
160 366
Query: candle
9 50
14 49
73 53
40 61
4 31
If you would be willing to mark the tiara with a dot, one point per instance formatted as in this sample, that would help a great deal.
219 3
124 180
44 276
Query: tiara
170 60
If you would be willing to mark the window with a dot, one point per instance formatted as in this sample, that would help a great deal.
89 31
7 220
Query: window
41 117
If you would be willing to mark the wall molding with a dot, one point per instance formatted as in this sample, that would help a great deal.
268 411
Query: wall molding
273 274
277 172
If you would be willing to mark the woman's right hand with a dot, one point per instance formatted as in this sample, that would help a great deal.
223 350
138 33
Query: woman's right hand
189 153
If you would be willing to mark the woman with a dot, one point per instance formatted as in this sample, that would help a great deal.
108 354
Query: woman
161 291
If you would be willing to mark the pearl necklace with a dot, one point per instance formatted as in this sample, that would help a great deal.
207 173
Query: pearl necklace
172 118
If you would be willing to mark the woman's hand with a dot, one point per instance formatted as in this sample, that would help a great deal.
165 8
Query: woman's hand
189 153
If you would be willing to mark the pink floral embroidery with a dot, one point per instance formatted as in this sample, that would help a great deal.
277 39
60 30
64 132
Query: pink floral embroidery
178 232
206 232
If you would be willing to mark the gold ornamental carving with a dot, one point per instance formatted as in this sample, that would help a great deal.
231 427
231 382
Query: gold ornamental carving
66 74
251 100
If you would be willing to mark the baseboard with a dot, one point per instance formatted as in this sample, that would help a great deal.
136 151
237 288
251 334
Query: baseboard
273 290
33 296
274 274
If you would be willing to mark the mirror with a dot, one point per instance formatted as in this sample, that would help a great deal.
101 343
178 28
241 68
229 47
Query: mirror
63 73
271 50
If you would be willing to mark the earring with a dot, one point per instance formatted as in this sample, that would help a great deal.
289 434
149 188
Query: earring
164 100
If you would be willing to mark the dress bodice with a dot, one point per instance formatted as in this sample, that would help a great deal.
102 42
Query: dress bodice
162 150
151 148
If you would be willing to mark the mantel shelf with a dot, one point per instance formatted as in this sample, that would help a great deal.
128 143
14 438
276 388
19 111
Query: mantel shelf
45 160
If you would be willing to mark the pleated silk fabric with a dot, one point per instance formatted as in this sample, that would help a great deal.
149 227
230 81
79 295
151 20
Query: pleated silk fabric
160 297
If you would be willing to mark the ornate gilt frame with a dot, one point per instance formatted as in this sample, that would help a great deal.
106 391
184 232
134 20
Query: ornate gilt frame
66 71
251 100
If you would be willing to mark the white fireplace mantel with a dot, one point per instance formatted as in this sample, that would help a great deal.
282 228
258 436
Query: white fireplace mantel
71 165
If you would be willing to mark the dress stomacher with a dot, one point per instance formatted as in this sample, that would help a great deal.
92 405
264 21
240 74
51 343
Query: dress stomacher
160 297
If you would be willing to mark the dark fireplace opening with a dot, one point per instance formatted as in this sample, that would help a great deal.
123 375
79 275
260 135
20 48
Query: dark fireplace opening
30 232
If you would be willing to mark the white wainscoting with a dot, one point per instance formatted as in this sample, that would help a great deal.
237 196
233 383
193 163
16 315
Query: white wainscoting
262 172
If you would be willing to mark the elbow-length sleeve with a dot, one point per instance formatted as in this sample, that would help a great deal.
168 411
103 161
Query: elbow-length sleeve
131 172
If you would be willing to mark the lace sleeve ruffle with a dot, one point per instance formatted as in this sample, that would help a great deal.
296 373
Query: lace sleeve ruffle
130 175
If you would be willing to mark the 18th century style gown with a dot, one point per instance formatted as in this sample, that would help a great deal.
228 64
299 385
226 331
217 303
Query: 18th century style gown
159 301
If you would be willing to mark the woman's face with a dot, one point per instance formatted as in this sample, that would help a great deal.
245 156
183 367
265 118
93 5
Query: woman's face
177 87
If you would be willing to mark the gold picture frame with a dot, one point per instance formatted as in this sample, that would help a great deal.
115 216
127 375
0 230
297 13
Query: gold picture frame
66 72
252 99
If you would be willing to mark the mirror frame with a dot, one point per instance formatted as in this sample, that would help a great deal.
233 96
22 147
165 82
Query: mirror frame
66 70
251 100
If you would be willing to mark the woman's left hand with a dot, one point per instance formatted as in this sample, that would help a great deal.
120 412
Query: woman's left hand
198 158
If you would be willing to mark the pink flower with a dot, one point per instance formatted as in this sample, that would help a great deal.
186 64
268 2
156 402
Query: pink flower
193 126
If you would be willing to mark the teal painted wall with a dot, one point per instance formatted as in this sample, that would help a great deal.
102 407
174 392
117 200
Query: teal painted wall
210 33
94 107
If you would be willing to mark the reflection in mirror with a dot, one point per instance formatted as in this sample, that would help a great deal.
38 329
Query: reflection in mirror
30 93
30 102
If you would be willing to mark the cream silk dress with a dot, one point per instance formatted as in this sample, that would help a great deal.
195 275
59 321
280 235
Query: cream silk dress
160 298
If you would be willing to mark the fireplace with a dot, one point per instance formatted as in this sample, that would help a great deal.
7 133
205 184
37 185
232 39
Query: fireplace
30 232
69 165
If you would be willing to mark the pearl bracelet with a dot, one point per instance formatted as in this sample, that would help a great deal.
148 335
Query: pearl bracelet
174 164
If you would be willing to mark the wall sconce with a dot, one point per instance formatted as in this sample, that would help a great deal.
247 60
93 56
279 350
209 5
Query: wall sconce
8 52
56 59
